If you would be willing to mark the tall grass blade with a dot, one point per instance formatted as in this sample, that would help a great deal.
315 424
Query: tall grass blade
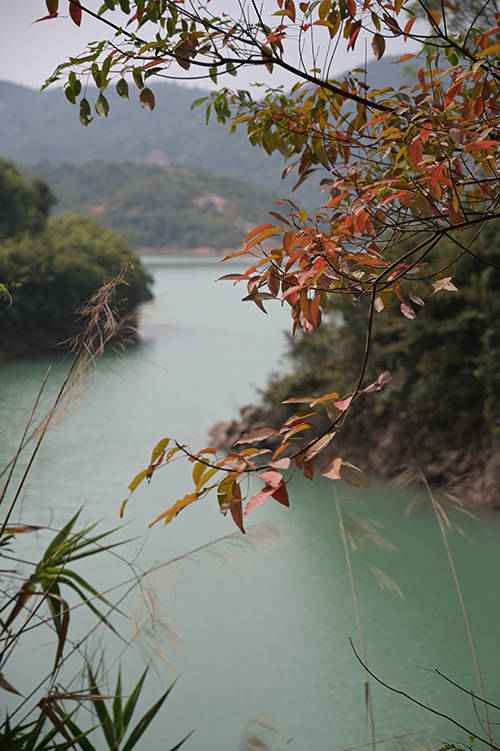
144 723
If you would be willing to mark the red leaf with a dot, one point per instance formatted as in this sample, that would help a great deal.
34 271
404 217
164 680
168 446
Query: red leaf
46 18
258 499
272 478
280 464
407 311
281 495
415 151
308 469
75 11
236 509
480 145
378 45
344 404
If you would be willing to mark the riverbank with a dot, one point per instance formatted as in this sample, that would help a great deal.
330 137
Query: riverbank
457 461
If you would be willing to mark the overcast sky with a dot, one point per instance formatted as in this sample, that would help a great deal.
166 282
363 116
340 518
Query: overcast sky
30 51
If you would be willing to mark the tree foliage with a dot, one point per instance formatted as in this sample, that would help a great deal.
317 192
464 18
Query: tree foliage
24 204
445 367
52 274
402 170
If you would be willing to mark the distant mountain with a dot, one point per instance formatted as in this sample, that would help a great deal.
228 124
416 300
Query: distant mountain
45 127
162 178
158 207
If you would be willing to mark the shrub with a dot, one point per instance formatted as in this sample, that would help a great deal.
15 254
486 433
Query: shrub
51 274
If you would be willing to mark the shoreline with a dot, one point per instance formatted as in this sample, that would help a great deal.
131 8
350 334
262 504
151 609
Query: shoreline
466 471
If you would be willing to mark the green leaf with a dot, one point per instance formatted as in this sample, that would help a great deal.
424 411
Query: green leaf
160 446
101 711
144 723
117 709
132 701
198 102
79 736
182 742
122 88
35 733
140 477
87 586
6 686
137 76
63 534
85 112
102 106
70 95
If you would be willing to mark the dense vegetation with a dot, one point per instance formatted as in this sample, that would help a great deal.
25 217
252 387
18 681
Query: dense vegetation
24 205
51 268
441 411
157 207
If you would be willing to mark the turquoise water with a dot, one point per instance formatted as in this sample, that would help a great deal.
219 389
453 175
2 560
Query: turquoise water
256 629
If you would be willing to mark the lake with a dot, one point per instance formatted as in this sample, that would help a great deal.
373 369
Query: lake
256 628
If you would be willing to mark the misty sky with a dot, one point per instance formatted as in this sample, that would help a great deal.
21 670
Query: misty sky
30 51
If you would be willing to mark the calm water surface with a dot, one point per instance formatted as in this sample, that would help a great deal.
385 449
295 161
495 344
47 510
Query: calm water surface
256 629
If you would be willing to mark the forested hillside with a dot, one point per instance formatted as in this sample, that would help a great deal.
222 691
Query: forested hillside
158 207
38 127
43 127
164 181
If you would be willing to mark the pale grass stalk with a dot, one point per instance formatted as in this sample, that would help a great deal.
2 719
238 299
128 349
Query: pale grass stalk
443 523
357 616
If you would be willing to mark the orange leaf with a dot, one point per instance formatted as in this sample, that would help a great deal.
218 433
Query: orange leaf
487 143
261 434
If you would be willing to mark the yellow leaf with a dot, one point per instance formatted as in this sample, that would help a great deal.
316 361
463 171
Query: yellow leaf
326 398
137 480
159 449
198 470
178 506
264 235
172 452
228 491
493 49
205 477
